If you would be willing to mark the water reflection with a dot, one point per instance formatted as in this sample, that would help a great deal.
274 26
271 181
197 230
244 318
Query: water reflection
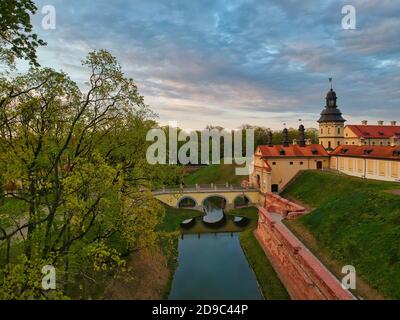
211 263
213 266
214 219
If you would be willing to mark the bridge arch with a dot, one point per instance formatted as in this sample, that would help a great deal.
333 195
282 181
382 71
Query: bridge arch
241 200
226 201
181 202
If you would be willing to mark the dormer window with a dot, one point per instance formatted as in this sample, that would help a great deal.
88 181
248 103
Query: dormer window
368 151
314 151
282 152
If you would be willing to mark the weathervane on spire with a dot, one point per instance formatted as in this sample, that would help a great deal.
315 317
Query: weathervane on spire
330 81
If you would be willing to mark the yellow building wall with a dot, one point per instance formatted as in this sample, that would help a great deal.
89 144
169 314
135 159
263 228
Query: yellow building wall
377 169
352 139
283 171
259 169
331 132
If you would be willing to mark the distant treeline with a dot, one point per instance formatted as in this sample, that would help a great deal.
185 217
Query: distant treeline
260 137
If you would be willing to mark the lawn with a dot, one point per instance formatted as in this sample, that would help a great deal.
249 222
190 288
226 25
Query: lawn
272 288
215 173
356 222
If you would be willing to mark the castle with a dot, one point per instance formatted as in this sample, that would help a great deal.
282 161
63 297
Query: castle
367 151
333 132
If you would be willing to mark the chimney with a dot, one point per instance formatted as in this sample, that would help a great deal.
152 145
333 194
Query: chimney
285 139
364 122
270 144
308 142
302 138
294 141
380 123
392 123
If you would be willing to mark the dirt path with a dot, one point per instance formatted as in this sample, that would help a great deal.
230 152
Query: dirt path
151 277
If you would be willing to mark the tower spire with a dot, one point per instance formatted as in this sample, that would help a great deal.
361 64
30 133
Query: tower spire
330 83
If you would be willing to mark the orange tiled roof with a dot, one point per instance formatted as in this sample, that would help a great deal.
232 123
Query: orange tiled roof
375 132
382 152
293 150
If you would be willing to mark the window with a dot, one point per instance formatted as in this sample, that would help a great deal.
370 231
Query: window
338 130
341 163
322 131
329 130
350 164
382 167
352 142
273 163
291 163
360 166
338 143
370 166
373 143
394 169
274 188
329 144
301 162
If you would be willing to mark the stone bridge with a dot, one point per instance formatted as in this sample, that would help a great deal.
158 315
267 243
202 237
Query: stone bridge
198 194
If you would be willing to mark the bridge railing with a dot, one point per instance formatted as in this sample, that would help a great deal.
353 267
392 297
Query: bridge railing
204 187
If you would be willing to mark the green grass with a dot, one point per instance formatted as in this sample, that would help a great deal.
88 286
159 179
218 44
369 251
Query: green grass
357 222
215 173
271 286
174 216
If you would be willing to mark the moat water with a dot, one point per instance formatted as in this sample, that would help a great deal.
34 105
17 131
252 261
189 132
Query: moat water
213 266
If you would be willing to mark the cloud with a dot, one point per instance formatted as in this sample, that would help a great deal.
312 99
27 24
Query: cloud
230 62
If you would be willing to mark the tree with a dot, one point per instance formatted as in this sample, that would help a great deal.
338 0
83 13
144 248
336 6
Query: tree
16 37
79 162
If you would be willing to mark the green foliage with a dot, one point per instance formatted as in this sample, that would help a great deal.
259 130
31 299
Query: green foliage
23 280
74 172
16 37
357 222
214 173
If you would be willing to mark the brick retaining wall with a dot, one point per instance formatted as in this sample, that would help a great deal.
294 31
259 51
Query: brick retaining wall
288 209
303 275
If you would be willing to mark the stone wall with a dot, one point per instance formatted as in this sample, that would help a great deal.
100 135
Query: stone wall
301 272
286 208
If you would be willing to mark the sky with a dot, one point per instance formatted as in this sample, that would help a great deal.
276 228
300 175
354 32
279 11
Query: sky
234 62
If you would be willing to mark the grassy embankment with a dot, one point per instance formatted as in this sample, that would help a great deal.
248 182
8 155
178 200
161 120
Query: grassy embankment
356 222
215 173
271 287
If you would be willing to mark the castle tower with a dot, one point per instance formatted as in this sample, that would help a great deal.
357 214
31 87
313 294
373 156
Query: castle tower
331 123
